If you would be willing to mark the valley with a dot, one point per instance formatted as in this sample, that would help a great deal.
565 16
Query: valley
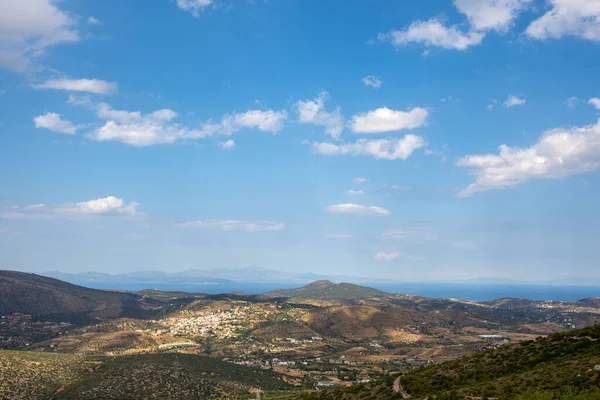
317 337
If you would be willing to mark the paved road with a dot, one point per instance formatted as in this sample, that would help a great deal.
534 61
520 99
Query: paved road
399 389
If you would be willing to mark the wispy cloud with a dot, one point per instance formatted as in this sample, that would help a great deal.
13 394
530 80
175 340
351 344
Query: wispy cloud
384 149
513 101
357 209
383 256
372 81
106 206
96 86
235 225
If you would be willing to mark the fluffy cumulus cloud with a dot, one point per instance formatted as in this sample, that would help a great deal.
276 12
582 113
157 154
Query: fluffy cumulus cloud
433 33
387 120
578 18
263 120
29 27
595 101
357 209
483 16
107 206
355 192
96 86
514 101
195 7
55 123
313 112
235 225
372 81
491 14
558 153
137 129
383 256
227 145
385 149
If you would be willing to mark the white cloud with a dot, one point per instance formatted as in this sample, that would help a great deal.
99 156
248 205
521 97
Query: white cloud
313 112
411 234
235 225
357 209
95 86
386 149
438 153
571 102
513 101
157 127
28 27
97 207
79 100
133 128
372 81
227 145
94 21
433 33
383 256
425 53
355 192
104 111
339 236
491 14
595 101
558 153
263 120
579 18
387 120
104 206
195 7
359 180
53 122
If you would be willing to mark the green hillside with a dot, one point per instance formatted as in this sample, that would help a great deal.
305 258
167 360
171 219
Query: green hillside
33 375
565 364
41 296
326 290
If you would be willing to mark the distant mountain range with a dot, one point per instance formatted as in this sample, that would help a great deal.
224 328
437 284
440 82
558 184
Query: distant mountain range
205 276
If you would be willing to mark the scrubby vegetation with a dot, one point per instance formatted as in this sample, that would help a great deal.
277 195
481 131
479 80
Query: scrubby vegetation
565 365
31 375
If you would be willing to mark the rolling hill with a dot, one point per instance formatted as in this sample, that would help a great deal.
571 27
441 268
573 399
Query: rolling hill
327 290
42 296
564 365
33 375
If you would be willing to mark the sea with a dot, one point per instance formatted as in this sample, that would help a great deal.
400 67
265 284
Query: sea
463 291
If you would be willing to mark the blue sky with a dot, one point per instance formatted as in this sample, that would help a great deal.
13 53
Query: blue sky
436 140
